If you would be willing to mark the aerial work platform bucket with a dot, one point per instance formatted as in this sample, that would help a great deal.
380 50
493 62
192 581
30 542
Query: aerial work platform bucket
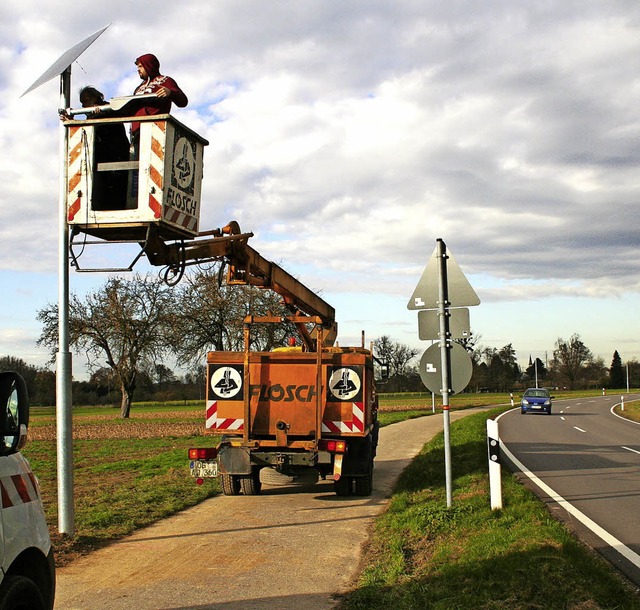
159 186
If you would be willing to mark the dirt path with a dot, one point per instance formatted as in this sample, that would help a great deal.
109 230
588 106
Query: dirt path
288 548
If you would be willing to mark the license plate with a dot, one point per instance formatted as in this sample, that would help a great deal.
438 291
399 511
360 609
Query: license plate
202 469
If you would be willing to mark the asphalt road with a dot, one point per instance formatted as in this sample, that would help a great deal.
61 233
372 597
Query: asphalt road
587 465
288 548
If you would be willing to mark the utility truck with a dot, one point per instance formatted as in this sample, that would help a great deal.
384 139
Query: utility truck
303 411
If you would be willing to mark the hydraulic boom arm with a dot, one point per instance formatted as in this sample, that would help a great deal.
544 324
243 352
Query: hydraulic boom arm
245 267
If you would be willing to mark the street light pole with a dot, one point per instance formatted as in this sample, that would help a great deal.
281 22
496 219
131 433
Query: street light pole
64 432
64 436
627 364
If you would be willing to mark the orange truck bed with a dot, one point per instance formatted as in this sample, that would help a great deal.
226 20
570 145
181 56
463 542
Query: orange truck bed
282 386
294 412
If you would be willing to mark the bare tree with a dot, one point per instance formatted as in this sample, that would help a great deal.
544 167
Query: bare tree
570 358
124 321
396 355
211 317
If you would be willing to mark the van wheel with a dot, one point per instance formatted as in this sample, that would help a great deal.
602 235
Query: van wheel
20 593
230 484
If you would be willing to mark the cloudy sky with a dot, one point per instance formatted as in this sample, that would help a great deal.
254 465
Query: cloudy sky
350 135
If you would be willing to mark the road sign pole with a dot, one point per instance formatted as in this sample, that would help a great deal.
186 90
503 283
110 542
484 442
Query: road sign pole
445 360
432 294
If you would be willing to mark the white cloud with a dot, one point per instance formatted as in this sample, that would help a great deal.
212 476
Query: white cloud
349 136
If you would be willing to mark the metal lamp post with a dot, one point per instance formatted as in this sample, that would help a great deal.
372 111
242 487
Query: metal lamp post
64 422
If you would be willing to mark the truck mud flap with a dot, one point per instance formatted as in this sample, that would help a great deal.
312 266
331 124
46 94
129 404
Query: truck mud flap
357 461
234 460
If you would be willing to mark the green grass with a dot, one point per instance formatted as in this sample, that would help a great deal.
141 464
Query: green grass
422 555
425 555
631 410
120 486
393 417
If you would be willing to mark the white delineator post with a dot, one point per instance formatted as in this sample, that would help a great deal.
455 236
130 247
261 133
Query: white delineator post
495 470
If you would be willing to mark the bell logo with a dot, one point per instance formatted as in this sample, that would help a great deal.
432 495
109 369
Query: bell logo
226 382
345 384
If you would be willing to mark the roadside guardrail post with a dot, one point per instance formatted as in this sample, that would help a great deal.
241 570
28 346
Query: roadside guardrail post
495 469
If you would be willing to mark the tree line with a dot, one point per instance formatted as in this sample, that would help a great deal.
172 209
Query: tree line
129 330
572 366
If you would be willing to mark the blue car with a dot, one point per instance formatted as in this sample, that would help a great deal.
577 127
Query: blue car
536 400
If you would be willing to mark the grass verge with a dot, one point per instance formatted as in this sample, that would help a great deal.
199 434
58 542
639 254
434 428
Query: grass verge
120 485
425 555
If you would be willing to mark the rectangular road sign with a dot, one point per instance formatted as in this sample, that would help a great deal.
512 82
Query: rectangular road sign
429 324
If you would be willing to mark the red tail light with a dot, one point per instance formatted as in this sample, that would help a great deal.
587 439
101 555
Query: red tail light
332 446
207 453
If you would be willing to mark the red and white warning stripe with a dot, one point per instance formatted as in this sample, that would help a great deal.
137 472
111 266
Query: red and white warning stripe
334 427
176 217
216 423
18 489
355 425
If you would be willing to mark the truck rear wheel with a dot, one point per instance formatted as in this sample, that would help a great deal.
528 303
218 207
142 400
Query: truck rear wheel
364 484
230 484
251 485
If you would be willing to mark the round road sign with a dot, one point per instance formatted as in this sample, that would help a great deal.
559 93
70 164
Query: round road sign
431 370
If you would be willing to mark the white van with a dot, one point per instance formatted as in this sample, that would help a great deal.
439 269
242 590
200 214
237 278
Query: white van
27 572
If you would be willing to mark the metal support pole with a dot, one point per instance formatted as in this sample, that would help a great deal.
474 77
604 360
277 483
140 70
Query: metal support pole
445 360
627 377
64 420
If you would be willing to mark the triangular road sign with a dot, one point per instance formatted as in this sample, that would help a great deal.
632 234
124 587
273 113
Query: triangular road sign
426 293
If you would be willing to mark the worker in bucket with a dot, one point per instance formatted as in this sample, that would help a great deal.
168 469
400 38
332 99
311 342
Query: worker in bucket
165 88
111 145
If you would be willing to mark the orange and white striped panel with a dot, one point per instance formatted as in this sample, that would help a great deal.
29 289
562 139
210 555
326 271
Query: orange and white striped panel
75 170
156 167
213 422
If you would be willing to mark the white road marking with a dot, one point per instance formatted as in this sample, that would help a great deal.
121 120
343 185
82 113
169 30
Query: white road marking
580 429
612 411
603 534
629 449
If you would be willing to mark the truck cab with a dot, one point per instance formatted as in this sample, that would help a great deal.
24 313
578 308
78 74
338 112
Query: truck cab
27 571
